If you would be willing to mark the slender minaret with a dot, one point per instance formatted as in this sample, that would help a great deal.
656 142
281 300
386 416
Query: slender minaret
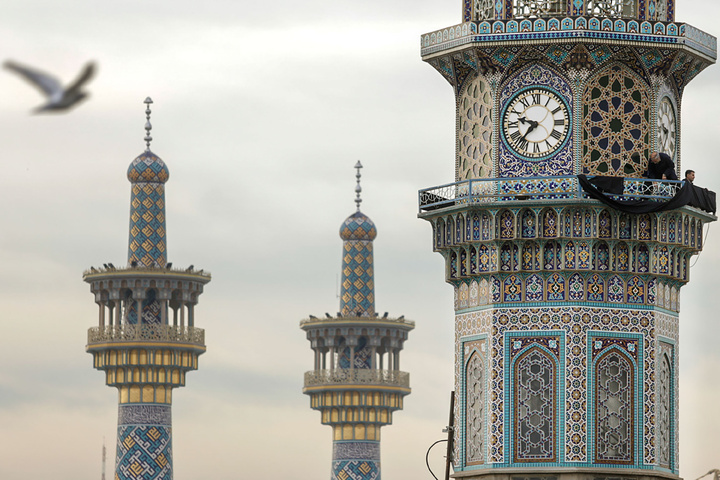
356 383
144 352
567 299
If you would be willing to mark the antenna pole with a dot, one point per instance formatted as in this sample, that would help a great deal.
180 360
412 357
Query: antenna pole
104 455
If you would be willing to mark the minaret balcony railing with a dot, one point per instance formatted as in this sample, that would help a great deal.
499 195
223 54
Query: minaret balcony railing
342 376
490 190
146 333
364 320
146 271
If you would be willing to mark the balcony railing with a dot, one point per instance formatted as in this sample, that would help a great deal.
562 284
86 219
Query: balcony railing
143 270
363 319
340 376
146 333
535 188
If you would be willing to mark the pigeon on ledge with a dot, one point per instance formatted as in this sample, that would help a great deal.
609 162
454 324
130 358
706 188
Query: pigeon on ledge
59 98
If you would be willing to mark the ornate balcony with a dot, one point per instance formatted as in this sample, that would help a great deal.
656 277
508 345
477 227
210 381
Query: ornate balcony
340 377
491 190
146 333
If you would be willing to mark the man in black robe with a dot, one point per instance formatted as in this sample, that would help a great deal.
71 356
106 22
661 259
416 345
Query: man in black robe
661 167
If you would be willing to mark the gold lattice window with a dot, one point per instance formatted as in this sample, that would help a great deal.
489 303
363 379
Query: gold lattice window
483 9
538 8
474 143
615 124
611 8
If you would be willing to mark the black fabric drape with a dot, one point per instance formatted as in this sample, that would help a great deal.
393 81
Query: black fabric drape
689 194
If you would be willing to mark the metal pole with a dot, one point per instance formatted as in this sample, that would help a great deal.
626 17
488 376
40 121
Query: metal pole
451 428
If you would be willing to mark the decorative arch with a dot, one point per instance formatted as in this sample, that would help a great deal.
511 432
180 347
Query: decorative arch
459 224
622 257
439 233
475 409
616 122
604 224
506 227
475 227
486 224
549 223
527 224
551 256
614 407
535 409
665 412
602 256
529 257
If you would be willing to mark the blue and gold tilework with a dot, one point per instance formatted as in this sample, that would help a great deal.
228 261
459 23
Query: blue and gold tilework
357 294
356 461
144 443
147 243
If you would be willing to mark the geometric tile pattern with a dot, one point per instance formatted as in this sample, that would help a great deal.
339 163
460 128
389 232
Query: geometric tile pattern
648 244
151 310
147 244
357 287
474 145
616 123
636 331
144 443
143 453
356 461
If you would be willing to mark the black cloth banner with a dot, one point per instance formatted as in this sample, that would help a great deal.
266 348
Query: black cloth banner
689 194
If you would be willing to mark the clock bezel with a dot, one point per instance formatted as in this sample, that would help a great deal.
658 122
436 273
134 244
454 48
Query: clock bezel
511 102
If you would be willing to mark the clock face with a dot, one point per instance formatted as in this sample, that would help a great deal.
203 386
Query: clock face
666 127
535 123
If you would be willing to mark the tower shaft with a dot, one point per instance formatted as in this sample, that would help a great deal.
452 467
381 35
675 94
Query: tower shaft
566 296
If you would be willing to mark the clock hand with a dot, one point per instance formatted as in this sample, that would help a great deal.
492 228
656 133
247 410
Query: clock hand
533 126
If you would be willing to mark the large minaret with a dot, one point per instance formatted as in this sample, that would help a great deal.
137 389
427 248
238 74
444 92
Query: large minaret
356 382
146 339
567 299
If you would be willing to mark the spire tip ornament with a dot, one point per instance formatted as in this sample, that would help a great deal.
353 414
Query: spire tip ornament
358 188
148 101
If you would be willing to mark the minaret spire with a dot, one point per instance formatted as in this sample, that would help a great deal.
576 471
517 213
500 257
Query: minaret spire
145 339
147 246
357 358
357 288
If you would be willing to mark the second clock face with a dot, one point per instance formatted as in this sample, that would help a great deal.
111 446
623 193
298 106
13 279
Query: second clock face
536 123
666 127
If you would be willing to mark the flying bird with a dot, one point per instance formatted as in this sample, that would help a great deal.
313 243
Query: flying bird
59 98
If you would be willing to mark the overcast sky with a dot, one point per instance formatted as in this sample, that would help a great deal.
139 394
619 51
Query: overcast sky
261 110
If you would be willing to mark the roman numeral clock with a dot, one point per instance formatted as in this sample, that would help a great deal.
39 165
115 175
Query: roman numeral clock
535 123
566 310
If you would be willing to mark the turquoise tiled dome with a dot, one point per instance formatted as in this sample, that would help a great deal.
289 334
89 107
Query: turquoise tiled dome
358 227
148 168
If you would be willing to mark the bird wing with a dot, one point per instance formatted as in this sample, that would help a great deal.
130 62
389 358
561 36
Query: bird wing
83 78
48 84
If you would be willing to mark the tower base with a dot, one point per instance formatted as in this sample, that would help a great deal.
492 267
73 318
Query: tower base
538 473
